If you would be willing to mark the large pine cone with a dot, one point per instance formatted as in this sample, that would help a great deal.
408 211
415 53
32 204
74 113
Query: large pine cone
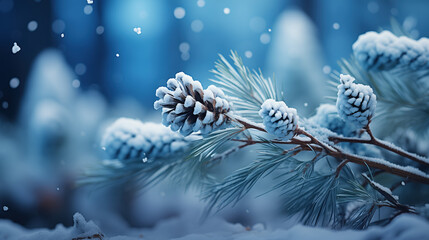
187 107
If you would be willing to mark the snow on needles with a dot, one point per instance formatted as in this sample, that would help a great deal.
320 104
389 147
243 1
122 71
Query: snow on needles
384 51
355 102
130 139
279 119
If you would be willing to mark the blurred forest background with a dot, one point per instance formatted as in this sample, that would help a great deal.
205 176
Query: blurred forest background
94 34
83 63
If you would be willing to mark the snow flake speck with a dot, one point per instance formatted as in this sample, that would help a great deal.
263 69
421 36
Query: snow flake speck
201 3
137 30
265 38
373 7
197 25
248 54
15 48
14 82
336 26
179 13
326 69
5 208
76 83
184 47
99 30
87 9
32 26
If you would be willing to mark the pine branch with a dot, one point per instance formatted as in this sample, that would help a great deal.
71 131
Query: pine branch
382 144
246 89
387 194
382 164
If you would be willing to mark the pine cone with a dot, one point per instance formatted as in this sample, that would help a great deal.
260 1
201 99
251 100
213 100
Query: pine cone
384 51
355 102
279 120
131 139
189 108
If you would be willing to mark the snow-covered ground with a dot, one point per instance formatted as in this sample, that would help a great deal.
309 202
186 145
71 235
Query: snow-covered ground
404 227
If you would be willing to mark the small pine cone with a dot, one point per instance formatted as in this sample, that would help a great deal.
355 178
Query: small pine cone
355 102
384 51
187 107
279 119
131 139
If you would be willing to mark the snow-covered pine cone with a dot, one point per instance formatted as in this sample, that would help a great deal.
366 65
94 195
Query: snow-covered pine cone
279 119
384 51
131 139
187 107
355 102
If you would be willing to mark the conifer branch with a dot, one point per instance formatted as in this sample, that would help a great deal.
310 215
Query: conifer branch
382 144
407 172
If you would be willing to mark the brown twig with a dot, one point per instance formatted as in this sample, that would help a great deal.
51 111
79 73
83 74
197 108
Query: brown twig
248 125
315 145
379 143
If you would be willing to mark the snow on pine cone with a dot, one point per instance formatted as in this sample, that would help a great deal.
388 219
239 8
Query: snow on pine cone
279 119
384 51
187 107
131 139
355 102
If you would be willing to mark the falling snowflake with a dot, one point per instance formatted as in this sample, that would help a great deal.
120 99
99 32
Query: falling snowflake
32 26
265 38
201 3
15 48
336 26
179 13
326 69
76 83
14 82
138 30
248 54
